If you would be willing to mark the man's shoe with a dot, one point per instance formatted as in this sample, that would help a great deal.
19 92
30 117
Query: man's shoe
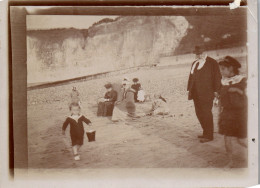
204 140
200 136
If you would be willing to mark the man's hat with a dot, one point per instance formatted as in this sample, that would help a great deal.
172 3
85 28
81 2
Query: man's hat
229 61
108 85
135 80
198 50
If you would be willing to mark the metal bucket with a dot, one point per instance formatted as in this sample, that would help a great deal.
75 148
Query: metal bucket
91 136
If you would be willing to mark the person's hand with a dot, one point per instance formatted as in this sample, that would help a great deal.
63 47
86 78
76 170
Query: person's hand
233 89
63 132
90 124
216 101
101 100
216 94
117 102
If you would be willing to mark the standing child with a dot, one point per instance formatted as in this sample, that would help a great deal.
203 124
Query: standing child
136 86
75 95
75 120
233 105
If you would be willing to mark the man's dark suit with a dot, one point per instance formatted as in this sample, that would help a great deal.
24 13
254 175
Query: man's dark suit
201 86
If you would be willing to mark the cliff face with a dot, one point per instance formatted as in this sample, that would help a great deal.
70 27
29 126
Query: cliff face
127 42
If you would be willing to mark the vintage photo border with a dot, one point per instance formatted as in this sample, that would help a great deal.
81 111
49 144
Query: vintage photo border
17 55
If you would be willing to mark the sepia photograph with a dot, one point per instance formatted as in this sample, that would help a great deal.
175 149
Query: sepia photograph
136 91
127 89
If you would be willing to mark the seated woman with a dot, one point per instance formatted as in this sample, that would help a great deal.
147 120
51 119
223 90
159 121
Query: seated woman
159 106
106 104
124 106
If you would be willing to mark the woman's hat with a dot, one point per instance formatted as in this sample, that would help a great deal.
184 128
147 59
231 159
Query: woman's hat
229 61
125 82
135 80
108 85
198 50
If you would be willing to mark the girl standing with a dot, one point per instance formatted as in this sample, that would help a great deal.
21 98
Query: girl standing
75 120
233 105
136 86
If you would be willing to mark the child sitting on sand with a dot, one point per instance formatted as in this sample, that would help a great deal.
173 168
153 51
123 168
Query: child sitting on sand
233 105
159 106
75 120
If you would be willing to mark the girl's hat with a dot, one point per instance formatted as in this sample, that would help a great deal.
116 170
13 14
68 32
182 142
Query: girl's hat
229 61
135 80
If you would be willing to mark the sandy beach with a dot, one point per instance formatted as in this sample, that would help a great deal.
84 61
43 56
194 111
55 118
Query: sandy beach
147 142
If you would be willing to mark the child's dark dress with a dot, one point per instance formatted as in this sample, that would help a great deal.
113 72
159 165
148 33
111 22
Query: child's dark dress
76 129
233 110
136 87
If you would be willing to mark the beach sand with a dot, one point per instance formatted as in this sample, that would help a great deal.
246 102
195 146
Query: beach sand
155 142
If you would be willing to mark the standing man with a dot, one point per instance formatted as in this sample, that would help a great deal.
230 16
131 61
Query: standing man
204 83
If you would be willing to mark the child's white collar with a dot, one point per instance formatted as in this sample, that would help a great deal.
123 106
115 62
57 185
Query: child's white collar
76 118
233 80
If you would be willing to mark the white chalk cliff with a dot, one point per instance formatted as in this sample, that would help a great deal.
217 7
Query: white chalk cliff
126 42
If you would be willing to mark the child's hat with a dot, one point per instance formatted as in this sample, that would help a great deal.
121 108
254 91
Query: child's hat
229 61
108 85
126 79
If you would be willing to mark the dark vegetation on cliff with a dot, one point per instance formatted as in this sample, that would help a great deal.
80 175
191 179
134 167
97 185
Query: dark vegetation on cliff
213 32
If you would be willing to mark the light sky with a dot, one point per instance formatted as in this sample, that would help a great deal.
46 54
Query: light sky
62 21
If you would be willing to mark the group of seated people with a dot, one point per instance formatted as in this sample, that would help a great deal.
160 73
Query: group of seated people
121 104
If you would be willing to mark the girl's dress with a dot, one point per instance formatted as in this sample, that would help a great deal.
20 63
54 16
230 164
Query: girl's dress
76 128
136 88
140 95
233 108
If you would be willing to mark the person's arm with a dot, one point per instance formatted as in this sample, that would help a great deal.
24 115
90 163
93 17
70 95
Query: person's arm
234 89
240 90
86 120
216 78
190 75
105 98
139 86
65 125
113 97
